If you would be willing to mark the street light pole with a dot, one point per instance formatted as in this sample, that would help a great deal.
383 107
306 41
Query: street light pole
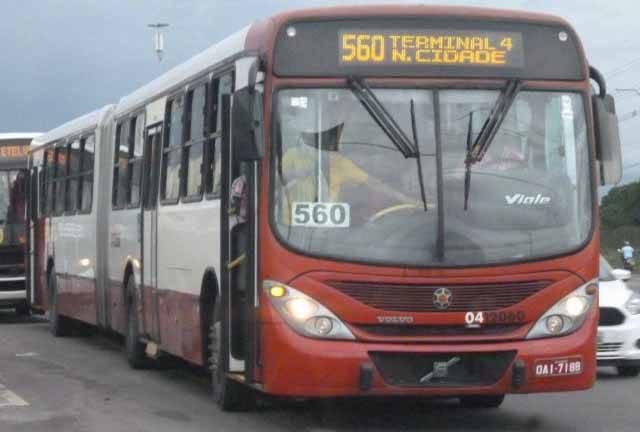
158 38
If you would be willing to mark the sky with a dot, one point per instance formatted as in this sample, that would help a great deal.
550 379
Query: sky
60 59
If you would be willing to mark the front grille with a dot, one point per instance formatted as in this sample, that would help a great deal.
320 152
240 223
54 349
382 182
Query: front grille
419 298
11 261
18 285
435 330
465 369
609 347
610 316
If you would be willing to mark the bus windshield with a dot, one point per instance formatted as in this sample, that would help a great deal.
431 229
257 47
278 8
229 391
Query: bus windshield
12 207
343 190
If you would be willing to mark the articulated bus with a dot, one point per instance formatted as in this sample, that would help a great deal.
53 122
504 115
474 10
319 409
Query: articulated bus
14 150
343 202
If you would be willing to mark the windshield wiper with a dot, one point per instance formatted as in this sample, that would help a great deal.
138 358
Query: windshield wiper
381 116
416 145
479 147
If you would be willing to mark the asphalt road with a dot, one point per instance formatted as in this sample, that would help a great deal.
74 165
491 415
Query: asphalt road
83 384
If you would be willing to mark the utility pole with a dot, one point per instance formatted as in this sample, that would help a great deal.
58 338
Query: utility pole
158 37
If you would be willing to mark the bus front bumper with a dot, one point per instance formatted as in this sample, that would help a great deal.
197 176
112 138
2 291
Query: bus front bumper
293 365
12 291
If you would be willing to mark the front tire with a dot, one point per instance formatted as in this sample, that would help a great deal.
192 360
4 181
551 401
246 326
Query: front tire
482 401
58 325
136 356
628 371
229 395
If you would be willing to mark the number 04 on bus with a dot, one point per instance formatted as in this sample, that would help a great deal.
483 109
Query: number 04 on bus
340 202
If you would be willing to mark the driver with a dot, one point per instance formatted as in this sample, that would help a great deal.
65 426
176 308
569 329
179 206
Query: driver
340 179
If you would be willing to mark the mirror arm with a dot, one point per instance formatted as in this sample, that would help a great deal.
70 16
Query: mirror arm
595 75
256 67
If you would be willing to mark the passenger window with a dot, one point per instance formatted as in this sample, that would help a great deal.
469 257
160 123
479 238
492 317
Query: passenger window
51 172
73 151
194 147
135 161
86 196
220 87
61 177
172 152
120 167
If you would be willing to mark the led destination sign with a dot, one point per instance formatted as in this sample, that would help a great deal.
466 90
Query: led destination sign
428 47
424 47
13 151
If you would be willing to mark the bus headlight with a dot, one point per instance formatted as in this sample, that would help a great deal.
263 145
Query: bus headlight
305 315
567 315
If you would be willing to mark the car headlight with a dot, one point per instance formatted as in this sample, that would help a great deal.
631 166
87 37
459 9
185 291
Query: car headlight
305 315
568 314
633 304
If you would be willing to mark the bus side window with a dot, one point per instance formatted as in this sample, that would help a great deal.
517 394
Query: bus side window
219 87
73 150
172 151
61 178
51 174
195 135
43 184
135 161
121 165
86 182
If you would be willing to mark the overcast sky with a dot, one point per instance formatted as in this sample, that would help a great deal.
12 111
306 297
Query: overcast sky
62 58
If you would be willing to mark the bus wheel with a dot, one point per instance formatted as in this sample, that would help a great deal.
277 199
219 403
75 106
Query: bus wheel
23 309
59 325
482 401
230 395
135 349
628 371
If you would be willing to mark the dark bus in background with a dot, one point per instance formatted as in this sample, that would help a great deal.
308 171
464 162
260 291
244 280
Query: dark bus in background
14 150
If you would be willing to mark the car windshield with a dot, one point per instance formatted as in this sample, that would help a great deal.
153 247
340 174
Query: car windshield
343 188
12 207
606 271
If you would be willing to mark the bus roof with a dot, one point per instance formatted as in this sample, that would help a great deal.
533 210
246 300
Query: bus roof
19 135
75 126
200 64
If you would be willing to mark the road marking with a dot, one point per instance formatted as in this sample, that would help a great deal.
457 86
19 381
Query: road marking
28 354
9 398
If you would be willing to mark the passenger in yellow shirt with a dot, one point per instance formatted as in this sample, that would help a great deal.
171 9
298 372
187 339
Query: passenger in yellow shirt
341 179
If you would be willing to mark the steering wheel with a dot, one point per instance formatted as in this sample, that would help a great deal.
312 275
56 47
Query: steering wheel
393 209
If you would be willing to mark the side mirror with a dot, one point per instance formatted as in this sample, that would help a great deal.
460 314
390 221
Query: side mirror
246 111
621 274
246 125
608 148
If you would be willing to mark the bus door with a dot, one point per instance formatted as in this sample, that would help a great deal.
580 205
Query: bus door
32 234
149 233
238 253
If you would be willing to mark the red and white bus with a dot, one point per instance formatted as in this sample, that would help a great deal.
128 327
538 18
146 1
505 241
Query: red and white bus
395 200
14 150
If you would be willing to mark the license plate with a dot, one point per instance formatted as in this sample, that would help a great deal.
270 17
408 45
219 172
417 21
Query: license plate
558 367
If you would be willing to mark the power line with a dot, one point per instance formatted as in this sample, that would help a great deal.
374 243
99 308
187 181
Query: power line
622 69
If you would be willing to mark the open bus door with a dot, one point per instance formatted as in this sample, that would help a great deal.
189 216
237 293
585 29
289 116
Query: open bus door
149 233
239 241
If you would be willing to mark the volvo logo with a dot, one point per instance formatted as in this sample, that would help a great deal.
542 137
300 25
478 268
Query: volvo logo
442 298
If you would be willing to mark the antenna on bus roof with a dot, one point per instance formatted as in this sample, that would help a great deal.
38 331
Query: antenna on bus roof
158 38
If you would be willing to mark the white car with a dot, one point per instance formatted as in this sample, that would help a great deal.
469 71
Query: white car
619 326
